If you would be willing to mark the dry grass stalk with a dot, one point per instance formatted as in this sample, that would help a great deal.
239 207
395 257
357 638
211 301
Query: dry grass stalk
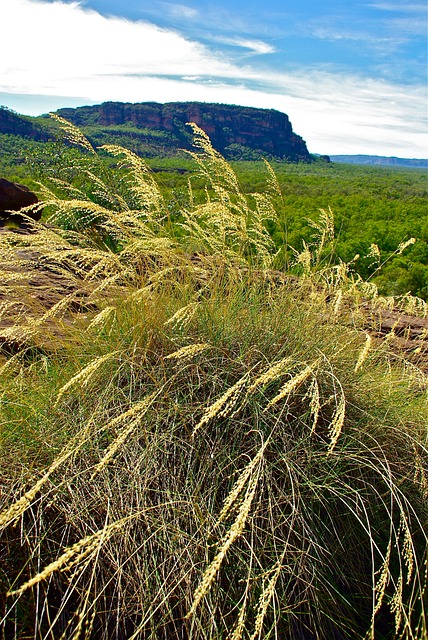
102 318
374 252
141 294
239 627
187 352
84 625
396 604
224 405
75 554
134 415
273 184
337 303
74 135
337 421
315 404
17 509
404 245
292 384
413 305
142 184
183 316
85 375
234 532
10 363
240 483
420 476
264 601
407 547
275 371
9 515
379 590
364 352
29 329
225 225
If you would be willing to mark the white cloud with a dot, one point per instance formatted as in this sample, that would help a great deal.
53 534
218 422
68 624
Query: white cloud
255 46
385 40
63 43
66 50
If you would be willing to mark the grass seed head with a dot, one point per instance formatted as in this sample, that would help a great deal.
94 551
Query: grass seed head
292 384
224 405
364 353
73 555
234 532
264 601
85 374
275 371
337 422
183 316
187 352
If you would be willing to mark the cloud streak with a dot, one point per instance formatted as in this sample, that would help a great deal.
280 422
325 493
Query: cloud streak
401 8
257 47
102 58
180 11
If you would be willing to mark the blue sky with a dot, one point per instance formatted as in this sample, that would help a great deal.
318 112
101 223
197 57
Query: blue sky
350 74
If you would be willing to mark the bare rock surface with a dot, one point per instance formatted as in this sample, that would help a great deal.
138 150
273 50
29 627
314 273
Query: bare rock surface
407 335
15 196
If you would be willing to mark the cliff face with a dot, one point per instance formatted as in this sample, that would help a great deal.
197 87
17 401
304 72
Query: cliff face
264 131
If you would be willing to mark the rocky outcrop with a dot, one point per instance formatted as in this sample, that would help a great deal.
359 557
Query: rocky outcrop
14 196
232 129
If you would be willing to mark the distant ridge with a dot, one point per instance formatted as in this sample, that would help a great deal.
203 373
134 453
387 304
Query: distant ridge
382 160
153 129
236 132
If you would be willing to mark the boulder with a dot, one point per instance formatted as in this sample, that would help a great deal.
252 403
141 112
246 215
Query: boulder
14 196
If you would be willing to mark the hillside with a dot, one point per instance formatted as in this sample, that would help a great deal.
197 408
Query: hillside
151 129
12 123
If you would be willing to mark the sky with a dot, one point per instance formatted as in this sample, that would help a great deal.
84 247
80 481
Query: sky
350 74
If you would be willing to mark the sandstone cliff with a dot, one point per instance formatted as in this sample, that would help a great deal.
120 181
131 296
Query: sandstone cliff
232 129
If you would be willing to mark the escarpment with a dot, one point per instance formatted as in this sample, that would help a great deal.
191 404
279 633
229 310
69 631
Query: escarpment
234 131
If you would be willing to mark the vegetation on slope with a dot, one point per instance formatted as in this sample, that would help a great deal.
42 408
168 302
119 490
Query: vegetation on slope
198 445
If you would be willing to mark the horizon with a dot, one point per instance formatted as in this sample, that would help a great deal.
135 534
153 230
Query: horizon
333 155
352 80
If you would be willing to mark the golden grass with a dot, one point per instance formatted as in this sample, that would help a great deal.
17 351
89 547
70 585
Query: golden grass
214 452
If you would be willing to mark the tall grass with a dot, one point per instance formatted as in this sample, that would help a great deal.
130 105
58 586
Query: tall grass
206 448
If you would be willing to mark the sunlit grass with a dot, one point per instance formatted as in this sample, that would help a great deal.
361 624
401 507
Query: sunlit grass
207 448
